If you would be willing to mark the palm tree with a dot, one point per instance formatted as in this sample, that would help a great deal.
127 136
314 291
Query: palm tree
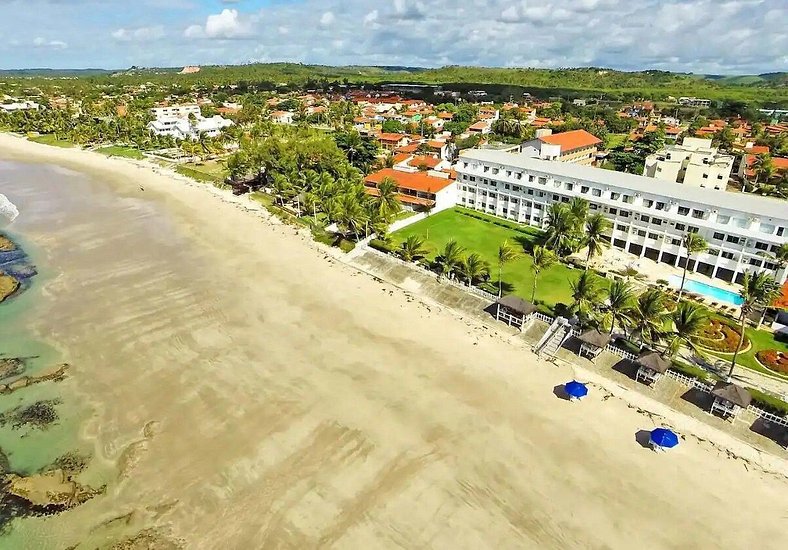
650 316
585 294
688 320
473 268
759 289
693 243
387 204
620 301
450 257
780 258
351 214
763 165
560 228
542 259
579 208
506 254
412 248
594 237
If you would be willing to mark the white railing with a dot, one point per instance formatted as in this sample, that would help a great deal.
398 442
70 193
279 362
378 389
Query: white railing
542 317
769 417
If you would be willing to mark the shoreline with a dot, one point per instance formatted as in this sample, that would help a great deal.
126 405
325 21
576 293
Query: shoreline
129 177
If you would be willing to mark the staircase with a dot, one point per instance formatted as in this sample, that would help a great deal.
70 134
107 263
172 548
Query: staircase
553 338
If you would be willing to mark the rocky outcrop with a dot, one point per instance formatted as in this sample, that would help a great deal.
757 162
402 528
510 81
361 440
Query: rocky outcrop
49 490
6 244
8 285
54 373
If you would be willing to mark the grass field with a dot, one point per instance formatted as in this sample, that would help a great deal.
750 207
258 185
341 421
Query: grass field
49 139
614 140
484 238
208 172
761 340
121 151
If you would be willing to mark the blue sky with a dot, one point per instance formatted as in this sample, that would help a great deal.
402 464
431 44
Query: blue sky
709 36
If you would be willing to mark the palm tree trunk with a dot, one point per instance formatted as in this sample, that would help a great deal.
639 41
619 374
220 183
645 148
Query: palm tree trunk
683 277
500 282
588 258
738 347
533 291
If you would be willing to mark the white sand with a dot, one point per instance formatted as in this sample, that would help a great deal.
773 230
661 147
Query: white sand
292 402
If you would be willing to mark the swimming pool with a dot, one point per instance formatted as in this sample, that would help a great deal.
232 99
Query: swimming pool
715 293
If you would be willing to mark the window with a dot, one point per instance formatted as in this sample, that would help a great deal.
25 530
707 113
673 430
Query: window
728 255
505 210
494 170
656 221
660 206
472 178
675 242
761 246
683 210
641 233
530 191
624 214
680 227
486 168
621 227
613 211
705 176
569 186
543 181
615 196
732 239
653 236
530 178
771 266
697 214
593 206
719 176
564 199
713 252
584 189
648 203
596 192
627 199
756 262
506 186
780 231
644 219
556 198
719 236
692 229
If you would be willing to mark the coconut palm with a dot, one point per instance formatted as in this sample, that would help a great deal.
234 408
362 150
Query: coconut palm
650 316
764 168
780 258
351 214
542 259
617 310
759 289
412 248
693 243
474 269
386 203
594 237
560 229
579 208
585 295
506 254
688 320
450 257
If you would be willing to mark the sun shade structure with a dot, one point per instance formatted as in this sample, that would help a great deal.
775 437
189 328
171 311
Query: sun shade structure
514 311
592 342
662 438
729 399
651 366
575 390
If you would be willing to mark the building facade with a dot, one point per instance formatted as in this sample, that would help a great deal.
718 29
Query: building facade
433 190
176 111
576 146
695 162
647 219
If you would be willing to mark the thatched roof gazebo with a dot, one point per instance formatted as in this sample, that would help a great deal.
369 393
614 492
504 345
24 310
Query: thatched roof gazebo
729 399
592 342
651 366
514 311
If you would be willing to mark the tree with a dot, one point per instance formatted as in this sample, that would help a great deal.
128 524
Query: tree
688 320
780 258
386 203
450 257
392 126
650 316
506 254
560 229
619 304
724 138
351 216
594 237
412 248
763 165
360 152
585 295
759 289
578 206
693 243
474 269
542 259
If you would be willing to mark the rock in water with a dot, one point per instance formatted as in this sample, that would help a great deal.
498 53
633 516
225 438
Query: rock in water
53 489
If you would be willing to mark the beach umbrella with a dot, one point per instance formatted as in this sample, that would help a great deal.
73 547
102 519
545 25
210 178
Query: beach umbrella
575 389
663 438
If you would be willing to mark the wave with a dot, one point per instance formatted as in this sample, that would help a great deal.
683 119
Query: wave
8 210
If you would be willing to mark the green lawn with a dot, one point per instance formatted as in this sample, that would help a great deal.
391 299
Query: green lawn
614 140
199 173
484 238
49 139
121 151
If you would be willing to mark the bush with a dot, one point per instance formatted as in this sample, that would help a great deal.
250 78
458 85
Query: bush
346 245
720 336
383 246
769 403
662 282
774 360
690 370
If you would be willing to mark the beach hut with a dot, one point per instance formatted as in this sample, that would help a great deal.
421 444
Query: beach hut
592 342
514 311
575 390
662 438
651 366
729 399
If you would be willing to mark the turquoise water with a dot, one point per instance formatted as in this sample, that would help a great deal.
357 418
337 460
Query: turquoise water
713 292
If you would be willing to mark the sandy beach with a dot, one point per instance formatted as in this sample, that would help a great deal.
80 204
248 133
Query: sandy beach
252 391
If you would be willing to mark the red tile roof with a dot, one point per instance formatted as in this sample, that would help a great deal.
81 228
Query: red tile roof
782 301
572 140
394 138
414 181
424 160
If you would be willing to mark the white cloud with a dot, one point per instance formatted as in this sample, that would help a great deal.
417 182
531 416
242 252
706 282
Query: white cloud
140 34
229 24
327 19
371 20
40 42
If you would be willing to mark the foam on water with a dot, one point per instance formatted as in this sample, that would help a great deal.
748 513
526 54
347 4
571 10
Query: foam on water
8 210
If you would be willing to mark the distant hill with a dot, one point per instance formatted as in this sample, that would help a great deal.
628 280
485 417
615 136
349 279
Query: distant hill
53 73
765 79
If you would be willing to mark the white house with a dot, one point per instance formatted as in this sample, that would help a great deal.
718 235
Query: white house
695 162
183 128
282 117
176 111
646 220
19 106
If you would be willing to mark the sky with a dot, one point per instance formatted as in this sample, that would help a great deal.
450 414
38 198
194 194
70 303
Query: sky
701 36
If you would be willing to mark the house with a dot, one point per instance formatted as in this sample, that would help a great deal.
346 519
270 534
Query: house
19 106
176 111
282 117
390 141
695 102
695 162
481 127
646 219
576 146
184 128
417 190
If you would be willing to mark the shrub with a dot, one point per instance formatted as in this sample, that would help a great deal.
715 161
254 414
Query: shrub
769 403
346 245
662 282
381 245
690 370
719 336
773 360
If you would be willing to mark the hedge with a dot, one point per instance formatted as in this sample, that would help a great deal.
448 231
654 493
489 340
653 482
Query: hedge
381 245
768 402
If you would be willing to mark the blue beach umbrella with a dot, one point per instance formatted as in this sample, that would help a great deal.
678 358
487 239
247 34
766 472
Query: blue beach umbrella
575 389
663 438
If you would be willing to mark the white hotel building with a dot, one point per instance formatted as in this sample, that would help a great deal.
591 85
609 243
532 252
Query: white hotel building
649 216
